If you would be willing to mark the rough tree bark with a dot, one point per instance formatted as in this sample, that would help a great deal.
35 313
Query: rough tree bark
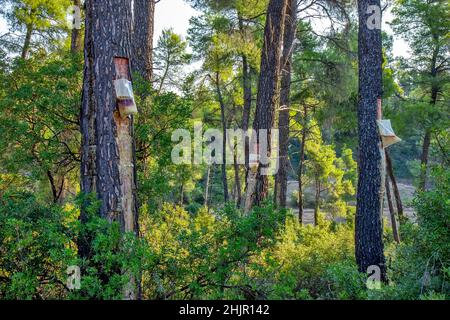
283 120
107 167
143 31
369 249
268 90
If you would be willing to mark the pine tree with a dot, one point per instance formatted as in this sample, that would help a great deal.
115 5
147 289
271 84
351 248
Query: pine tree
283 121
143 30
108 162
268 91
368 227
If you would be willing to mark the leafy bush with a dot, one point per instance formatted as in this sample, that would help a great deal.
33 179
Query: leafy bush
296 266
419 267
202 255
35 248
38 244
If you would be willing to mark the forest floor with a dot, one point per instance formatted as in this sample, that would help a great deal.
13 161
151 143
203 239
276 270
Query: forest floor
406 192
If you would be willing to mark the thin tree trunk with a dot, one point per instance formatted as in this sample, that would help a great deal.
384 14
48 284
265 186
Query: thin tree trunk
317 202
237 179
143 32
268 90
27 41
392 212
369 249
224 132
181 194
398 199
208 174
56 190
300 174
107 167
76 43
247 86
427 137
424 160
284 118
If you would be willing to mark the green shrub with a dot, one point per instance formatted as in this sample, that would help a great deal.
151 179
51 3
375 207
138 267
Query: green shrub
418 268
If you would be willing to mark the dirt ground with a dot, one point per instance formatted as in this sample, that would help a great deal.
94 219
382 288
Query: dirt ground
406 192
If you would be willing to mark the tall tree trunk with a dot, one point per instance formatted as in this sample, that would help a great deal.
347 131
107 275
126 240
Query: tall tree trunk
76 43
268 90
427 137
108 162
369 248
27 41
247 85
394 223
224 132
300 173
398 199
284 118
143 31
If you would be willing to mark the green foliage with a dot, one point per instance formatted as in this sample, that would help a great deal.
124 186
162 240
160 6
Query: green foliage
113 259
419 267
213 254
39 242
298 265
45 19
203 255
39 132
187 250
35 248
170 58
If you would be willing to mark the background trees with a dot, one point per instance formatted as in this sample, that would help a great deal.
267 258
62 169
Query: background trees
419 24
196 239
42 19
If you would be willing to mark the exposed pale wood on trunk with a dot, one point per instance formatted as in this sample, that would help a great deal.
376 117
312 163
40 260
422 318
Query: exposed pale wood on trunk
107 140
